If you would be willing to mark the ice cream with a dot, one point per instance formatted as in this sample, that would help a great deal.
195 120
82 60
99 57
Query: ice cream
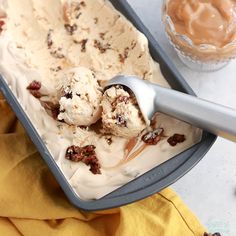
121 115
81 98
40 44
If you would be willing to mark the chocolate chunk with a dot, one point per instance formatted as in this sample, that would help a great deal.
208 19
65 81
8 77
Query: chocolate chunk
153 137
175 139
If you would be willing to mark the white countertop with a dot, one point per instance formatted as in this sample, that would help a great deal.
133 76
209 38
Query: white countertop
210 188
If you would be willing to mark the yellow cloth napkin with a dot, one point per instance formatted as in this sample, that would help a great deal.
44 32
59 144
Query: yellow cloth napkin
33 204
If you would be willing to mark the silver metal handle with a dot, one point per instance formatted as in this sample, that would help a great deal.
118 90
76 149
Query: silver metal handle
217 119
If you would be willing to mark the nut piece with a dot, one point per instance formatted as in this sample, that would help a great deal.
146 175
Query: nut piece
101 47
71 28
83 44
215 234
2 23
120 120
175 139
124 56
35 85
153 137
85 154
34 88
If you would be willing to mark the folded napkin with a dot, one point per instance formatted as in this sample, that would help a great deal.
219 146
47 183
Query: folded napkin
33 204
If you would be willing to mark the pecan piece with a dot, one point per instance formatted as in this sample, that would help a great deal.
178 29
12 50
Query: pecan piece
124 99
34 85
85 154
73 154
49 39
57 53
120 120
108 140
153 137
102 35
124 56
83 4
82 43
101 47
71 28
95 20
2 23
120 99
215 234
175 139
34 88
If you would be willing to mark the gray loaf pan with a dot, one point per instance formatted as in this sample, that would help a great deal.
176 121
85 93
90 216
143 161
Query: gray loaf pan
154 180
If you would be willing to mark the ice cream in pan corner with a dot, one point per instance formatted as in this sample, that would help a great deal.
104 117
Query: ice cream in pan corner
55 56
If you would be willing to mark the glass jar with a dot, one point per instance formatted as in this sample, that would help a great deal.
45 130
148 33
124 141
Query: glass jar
202 56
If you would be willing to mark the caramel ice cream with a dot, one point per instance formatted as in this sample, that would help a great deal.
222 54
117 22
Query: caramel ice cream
121 115
55 56
80 103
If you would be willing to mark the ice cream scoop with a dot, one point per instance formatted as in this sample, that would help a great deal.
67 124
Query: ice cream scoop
217 119
81 97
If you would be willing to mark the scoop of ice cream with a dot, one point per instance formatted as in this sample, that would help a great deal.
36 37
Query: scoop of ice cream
80 103
121 115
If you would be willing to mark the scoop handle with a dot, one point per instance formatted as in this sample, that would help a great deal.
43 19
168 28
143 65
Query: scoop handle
217 119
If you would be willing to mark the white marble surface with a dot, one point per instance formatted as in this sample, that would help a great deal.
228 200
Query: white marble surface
210 188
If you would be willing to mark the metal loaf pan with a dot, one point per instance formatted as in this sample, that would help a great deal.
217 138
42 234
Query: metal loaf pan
150 182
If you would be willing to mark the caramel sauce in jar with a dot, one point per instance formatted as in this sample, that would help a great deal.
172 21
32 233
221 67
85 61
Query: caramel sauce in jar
207 27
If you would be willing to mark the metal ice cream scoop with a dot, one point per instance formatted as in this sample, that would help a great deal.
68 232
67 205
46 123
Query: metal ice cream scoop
217 119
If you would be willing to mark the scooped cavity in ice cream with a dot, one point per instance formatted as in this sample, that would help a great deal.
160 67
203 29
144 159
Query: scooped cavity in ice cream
81 97
121 115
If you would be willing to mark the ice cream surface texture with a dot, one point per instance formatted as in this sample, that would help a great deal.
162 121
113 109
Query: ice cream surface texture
55 56
81 100
121 115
